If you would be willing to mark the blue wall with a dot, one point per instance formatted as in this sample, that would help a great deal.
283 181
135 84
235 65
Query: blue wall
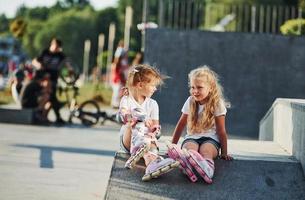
254 70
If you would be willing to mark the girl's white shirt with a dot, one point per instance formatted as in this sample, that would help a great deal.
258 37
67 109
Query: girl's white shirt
220 110
149 106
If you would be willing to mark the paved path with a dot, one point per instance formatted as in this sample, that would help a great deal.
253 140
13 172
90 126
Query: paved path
39 162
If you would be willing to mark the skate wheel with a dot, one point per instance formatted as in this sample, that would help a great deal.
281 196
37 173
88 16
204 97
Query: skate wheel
146 178
155 174
165 169
175 164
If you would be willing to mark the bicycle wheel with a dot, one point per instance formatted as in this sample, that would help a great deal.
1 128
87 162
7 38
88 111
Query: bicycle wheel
89 113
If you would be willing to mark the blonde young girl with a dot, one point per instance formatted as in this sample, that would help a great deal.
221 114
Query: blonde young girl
204 115
140 116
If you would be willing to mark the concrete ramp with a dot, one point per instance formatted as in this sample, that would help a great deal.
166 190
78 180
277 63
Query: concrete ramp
239 179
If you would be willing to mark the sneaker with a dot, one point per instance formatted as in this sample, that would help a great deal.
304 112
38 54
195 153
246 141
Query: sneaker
177 154
158 167
136 154
205 167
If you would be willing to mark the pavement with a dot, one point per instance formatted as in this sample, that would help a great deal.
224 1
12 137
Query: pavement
69 162
260 170
74 162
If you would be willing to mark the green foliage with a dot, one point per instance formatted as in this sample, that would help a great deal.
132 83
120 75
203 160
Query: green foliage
302 4
5 96
78 26
293 27
28 40
4 23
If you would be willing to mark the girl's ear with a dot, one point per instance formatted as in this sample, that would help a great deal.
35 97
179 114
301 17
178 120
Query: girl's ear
138 85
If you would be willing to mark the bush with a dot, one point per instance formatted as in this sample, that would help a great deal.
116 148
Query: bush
291 27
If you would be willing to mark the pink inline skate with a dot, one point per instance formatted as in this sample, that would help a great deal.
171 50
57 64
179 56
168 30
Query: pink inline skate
204 166
138 148
177 154
158 167
140 143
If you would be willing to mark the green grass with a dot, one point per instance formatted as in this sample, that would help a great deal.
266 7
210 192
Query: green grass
98 92
5 96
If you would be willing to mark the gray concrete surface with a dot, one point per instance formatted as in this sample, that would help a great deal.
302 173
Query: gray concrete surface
38 162
284 124
239 179
261 170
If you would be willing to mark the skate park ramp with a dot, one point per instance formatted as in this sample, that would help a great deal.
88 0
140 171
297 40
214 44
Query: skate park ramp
254 174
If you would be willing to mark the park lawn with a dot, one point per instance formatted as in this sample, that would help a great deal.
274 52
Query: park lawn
89 91
5 96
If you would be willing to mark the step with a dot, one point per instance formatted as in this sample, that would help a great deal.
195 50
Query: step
263 172
16 115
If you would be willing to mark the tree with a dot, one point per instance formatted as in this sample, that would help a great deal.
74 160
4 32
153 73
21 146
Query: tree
4 24
73 31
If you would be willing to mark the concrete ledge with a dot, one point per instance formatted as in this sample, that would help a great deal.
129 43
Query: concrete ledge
284 124
16 115
239 179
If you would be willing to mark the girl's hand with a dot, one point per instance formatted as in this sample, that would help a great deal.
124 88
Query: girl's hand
149 123
226 157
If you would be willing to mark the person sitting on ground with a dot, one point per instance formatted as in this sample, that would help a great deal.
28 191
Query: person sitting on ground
204 115
16 84
36 95
140 116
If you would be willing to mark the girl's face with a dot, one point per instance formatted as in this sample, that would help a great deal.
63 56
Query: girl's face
148 89
200 90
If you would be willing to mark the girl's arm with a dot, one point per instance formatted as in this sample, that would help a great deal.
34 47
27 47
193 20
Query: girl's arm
179 128
222 133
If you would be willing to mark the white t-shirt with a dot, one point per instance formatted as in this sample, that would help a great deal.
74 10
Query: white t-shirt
220 110
149 106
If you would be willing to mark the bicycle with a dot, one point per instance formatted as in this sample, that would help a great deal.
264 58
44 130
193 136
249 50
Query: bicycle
88 112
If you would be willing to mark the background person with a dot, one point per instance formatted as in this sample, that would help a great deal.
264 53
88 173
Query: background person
51 60
36 95
119 70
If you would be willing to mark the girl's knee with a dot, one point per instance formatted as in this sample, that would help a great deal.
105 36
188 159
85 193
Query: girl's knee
208 150
190 145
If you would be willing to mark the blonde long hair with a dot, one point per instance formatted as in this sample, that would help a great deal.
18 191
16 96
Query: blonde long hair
205 120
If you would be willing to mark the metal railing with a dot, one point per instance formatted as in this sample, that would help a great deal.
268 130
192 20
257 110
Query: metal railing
197 14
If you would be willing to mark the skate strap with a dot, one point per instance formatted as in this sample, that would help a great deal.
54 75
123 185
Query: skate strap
210 162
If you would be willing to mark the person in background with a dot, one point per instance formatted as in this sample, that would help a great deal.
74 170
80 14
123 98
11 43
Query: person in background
119 70
36 95
138 59
52 60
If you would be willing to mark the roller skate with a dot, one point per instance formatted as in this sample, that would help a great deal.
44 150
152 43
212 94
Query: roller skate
177 154
158 167
204 166
139 147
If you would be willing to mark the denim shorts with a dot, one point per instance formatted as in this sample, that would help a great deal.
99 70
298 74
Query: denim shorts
201 141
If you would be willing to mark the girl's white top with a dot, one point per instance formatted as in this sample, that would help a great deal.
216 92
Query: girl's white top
149 106
220 110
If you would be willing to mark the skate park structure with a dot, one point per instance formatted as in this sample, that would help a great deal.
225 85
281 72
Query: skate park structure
263 78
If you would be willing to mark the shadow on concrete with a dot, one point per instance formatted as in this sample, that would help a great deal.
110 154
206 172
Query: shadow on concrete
46 152
239 179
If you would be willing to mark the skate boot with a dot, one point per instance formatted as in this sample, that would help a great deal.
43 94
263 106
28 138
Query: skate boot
177 154
137 151
204 166
158 167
